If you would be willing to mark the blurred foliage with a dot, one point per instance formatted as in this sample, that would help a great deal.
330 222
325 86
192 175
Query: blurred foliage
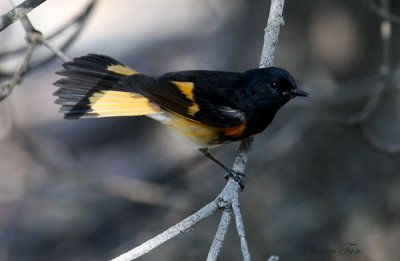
92 189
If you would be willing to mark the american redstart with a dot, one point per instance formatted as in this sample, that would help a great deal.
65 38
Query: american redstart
206 108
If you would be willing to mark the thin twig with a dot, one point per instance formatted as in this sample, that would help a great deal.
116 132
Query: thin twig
54 49
7 88
222 201
275 21
240 229
219 237
18 12
34 37
360 119
376 144
79 21
170 233
32 32
273 258
384 13
386 35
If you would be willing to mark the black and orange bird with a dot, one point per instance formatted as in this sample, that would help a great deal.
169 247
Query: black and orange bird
205 108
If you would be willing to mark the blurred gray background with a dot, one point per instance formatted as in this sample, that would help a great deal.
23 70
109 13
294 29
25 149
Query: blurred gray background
317 177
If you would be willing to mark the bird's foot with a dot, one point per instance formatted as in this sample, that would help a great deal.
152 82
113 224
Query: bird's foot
236 176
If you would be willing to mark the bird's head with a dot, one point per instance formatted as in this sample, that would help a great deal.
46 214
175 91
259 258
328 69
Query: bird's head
272 85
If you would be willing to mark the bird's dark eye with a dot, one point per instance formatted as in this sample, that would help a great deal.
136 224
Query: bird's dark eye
274 85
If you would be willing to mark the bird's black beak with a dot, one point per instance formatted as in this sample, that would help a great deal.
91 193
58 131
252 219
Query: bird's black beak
298 92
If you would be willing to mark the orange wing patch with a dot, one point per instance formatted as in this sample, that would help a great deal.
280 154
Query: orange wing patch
186 88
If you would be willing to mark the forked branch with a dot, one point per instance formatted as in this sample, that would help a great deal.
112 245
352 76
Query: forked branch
33 38
228 199
18 12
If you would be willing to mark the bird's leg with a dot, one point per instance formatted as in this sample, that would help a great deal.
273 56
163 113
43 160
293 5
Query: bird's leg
236 176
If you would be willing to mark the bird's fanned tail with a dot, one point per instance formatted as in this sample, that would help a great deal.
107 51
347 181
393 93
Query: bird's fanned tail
94 87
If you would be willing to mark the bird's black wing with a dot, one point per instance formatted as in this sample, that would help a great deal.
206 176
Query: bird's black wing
214 98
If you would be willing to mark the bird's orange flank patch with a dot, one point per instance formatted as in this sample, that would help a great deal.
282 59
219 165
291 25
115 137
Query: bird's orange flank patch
235 132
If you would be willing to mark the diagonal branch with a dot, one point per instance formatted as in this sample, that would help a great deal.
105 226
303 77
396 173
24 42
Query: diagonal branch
77 21
219 237
34 37
240 228
170 233
275 21
383 12
77 24
363 116
7 88
18 12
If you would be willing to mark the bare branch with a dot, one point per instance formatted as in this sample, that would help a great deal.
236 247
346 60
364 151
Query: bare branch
376 144
273 258
275 21
7 88
228 199
77 21
240 229
31 31
362 117
26 23
384 13
54 49
386 35
170 233
219 237
34 37
222 201
18 12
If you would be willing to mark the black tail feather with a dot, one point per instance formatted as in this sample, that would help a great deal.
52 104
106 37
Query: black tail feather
94 86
